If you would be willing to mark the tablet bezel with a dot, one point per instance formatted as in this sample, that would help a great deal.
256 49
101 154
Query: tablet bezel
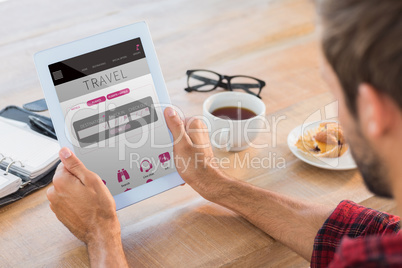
76 48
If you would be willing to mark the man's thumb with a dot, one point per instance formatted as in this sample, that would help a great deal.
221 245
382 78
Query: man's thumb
176 126
72 163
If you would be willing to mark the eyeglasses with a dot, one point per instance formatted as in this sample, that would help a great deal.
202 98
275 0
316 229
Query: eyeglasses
205 81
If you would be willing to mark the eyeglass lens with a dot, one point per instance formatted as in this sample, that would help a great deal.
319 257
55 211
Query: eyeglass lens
245 83
203 80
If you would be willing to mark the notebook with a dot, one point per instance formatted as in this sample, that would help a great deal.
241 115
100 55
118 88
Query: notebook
24 154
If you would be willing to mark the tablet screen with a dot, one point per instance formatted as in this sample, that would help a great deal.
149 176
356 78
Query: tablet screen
113 115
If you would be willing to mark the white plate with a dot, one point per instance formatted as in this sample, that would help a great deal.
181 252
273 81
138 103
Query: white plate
345 162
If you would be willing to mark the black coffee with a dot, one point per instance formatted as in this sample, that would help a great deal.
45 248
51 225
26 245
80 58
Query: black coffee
234 113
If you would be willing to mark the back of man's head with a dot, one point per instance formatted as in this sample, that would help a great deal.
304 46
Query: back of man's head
362 41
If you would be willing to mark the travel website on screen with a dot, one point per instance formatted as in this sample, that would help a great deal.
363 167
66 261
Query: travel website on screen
113 115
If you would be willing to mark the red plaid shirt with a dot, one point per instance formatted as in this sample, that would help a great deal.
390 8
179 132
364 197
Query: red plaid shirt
356 236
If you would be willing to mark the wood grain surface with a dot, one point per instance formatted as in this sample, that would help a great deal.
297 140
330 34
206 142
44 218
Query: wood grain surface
274 40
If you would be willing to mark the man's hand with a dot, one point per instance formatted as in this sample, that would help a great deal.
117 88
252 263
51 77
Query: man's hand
194 156
85 206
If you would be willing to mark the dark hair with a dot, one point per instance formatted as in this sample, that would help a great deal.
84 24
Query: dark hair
362 41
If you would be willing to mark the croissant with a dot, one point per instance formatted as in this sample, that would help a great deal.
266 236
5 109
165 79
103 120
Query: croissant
325 141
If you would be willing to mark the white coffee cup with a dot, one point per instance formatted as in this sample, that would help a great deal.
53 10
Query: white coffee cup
233 135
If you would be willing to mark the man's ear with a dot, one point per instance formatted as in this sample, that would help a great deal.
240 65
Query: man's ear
376 111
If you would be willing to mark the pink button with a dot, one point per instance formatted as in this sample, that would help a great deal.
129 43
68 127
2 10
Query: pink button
118 93
96 101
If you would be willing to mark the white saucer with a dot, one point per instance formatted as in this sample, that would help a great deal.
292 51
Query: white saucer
345 162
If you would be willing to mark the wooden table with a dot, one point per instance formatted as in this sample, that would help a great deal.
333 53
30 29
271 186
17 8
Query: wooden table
273 40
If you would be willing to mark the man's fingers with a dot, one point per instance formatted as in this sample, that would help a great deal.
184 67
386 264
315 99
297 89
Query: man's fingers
197 131
73 164
51 207
60 167
50 194
176 126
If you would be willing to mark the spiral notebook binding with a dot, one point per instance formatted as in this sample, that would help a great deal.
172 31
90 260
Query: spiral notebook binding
10 165
12 162
4 158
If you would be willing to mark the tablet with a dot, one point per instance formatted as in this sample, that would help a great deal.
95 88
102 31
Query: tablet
106 97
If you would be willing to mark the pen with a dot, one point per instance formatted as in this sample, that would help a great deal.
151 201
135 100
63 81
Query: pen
42 126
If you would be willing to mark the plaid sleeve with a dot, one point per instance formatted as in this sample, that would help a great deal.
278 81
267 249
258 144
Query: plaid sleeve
369 251
352 220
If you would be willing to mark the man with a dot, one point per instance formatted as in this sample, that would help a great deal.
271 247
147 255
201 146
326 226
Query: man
362 44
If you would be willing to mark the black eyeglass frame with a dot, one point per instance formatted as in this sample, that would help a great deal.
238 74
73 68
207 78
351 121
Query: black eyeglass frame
220 83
